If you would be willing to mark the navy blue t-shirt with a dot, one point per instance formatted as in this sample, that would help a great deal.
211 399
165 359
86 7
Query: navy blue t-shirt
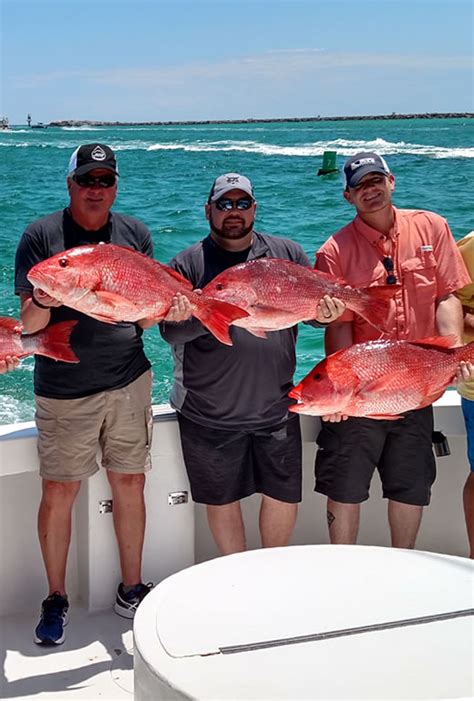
111 355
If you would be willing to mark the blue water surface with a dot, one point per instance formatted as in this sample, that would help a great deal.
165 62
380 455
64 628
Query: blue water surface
166 173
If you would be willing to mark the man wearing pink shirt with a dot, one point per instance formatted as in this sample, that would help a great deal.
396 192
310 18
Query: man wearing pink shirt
414 251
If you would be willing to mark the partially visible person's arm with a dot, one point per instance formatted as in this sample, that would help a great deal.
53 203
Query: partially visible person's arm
10 363
468 319
450 322
449 317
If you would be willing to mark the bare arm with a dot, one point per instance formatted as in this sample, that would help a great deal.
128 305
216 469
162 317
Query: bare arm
449 317
468 319
32 316
450 321
178 326
338 336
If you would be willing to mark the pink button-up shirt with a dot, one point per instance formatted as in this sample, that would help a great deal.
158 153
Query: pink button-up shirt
427 266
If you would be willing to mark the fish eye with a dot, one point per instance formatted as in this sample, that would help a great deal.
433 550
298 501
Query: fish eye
63 262
219 286
317 377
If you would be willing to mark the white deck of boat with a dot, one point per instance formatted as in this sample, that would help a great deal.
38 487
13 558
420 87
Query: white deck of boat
95 662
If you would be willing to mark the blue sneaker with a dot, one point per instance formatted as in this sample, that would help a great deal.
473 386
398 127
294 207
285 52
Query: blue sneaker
126 604
54 616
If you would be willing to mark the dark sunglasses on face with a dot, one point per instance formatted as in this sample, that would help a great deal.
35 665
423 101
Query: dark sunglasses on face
228 205
104 181
388 265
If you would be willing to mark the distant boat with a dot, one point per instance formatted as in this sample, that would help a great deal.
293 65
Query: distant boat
4 125
39 125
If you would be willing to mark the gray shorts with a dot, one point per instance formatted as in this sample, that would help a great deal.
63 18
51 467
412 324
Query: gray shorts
70 431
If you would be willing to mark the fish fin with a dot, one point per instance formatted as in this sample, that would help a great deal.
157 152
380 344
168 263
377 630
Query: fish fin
436 342
99 317
386 417
53 342
379 384
331 278
217 316
177 276
374 305
257 331
13 325
113 300
431 398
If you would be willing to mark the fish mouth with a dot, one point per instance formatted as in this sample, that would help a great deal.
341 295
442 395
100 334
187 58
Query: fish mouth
39 278
297 408
295 393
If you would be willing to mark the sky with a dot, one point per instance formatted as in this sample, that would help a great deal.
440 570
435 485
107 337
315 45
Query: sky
155 60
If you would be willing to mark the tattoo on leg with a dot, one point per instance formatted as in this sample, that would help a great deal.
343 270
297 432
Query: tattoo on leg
331 518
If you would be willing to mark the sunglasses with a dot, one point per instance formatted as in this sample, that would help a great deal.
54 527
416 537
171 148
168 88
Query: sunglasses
228 205
388 265
104 181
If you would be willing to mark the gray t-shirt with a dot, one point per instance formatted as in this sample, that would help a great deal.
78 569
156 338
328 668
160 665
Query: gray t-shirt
238 387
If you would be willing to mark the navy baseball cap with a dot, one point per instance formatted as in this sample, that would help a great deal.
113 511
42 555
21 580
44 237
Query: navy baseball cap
362 163
91 156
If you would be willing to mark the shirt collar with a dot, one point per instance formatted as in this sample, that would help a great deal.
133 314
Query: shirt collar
374 237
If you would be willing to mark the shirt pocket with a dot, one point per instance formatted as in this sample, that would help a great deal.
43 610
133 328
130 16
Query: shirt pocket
419 276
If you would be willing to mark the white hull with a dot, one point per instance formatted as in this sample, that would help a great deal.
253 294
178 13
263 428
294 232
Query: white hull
177 537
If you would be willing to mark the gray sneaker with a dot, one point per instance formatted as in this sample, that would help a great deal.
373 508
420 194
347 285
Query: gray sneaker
126 604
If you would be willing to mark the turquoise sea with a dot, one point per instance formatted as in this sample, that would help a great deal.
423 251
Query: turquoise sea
166 173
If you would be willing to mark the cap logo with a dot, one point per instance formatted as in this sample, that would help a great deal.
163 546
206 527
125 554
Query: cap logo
98 154
361 162
233 180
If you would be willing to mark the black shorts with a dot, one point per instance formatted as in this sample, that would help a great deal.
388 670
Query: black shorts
401 450
225 466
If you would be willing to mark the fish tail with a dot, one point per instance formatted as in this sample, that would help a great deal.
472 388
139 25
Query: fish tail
373 305
217 316
53 342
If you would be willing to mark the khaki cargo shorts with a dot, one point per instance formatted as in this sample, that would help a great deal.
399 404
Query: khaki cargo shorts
70 432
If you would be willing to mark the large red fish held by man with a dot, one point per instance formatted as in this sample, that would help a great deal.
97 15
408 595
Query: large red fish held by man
53 341
381 379
113 283
280 293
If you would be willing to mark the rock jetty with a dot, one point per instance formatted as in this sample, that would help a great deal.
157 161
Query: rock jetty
394 115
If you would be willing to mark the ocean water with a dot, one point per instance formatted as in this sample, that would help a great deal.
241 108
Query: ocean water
166 174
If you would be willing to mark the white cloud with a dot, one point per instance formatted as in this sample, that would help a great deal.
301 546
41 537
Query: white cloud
278 65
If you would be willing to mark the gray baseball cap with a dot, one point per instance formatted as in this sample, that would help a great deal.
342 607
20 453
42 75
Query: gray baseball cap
226 183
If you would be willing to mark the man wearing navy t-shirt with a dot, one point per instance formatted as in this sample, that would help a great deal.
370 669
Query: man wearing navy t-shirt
103 400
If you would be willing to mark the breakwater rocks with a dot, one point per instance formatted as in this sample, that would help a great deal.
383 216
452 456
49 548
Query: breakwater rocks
428 115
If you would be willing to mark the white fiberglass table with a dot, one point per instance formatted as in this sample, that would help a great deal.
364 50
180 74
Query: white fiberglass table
310 622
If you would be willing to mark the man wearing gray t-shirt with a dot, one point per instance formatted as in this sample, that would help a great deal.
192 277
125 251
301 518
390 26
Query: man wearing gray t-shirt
237 435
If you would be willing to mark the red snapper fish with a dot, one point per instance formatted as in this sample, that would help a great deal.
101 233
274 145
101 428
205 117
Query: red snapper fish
114 283
53 341
381 379
279 293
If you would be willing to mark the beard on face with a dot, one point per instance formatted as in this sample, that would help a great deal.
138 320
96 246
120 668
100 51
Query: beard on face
232 227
